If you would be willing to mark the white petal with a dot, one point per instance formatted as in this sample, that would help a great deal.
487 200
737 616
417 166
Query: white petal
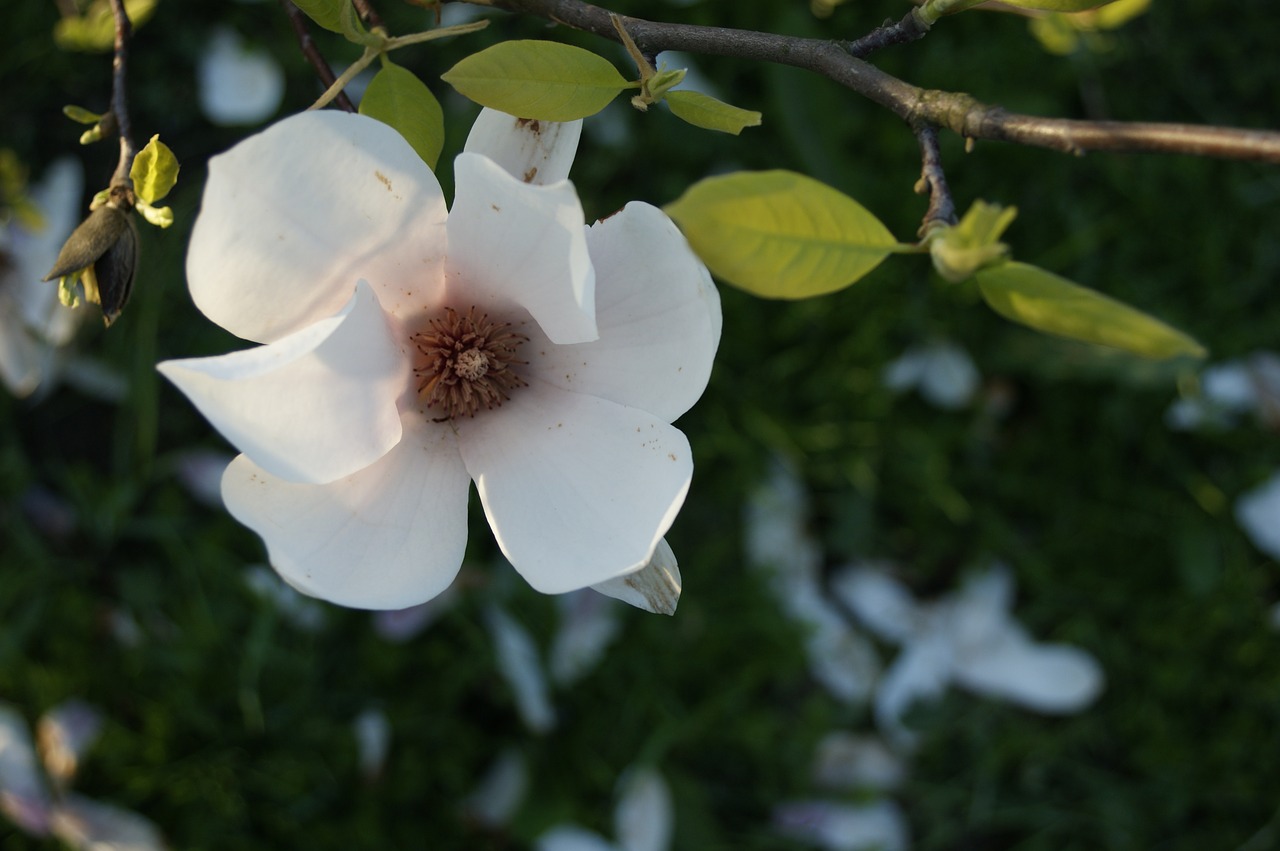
65 733
23 795
514 243
878 826
537 152
588 623
1258 513
1051 678
387 537
644 819
658 314
91 826
577 489
292 217
879 600
570 837
372 730
519 664
921 672
237 84
501 791
846 761
654 587
312 407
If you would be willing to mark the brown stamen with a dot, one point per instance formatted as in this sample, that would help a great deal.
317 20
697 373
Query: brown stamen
467 363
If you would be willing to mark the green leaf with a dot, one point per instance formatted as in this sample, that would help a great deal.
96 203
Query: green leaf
397 97
1041 300
960 250
543 80
161 217
326 13
779 234
1057 5
80 115
710 114
154 171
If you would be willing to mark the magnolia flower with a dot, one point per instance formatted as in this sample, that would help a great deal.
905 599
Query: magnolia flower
238 84
40 804
33 324
409 350
942 372
968 638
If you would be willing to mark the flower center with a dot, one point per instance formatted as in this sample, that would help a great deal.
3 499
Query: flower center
466 363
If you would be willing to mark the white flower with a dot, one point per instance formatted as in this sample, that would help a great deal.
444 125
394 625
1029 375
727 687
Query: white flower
237 84
1258 513
968 638
33 323
409 350
942 372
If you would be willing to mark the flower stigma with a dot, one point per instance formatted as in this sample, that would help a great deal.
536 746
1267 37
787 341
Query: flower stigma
467 363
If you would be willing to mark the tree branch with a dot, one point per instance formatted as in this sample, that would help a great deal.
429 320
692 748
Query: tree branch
932 180
954 111
120 180
299 23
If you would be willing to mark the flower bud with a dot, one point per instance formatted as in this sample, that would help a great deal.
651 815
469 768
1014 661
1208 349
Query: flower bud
103 253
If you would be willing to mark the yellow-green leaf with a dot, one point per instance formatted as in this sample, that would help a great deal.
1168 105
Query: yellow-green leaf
710 114
80 115
397 97
1042 300
161 217
154 171
1057 5
326 13
544 80
95 30
779 234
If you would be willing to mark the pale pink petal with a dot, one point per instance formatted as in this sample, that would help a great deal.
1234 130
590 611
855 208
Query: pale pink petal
519 664
654 587
644 818
514 243
92 826
658 314
577 489
294 216
64 734
570 837
537 152
1050 678
387 537
24 798
312 407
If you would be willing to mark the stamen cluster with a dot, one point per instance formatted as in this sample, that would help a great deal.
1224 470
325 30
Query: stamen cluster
467 362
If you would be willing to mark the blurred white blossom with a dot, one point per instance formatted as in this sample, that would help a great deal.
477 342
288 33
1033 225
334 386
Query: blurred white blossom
34 325
520 666
200 472
839 826
400 625
372 731
42 809
854 762
1230 390
238 84
501 791
942 372
297 609
968 638
643 819
1258 513
588 623
778 544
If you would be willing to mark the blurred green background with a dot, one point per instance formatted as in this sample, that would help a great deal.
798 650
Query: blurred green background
231 728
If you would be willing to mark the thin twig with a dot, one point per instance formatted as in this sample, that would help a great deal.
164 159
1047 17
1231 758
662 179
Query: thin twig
951 110
933 180
911 28
299 23
370 15
120 181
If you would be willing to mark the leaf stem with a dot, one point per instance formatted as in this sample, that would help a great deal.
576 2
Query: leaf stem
308 46
121 184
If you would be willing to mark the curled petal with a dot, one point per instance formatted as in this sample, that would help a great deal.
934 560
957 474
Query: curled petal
658 313
313 407
292 217
538 152
513 243
387 537
654 587
577 489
